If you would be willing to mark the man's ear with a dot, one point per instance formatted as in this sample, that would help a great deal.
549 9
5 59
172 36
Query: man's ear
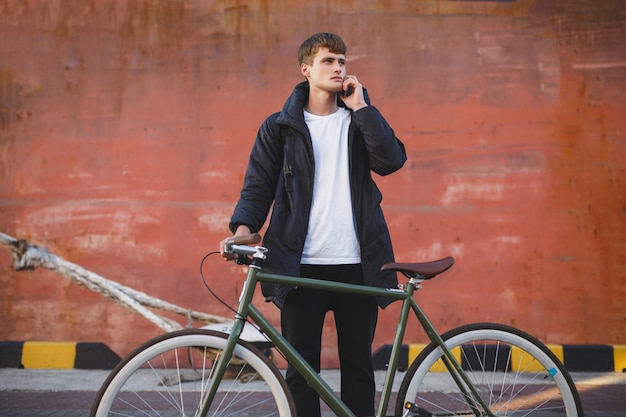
305 69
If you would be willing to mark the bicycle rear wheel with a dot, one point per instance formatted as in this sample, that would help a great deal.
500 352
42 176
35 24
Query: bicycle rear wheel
169 376
516 375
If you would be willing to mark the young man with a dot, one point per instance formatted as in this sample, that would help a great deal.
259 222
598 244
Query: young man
312 162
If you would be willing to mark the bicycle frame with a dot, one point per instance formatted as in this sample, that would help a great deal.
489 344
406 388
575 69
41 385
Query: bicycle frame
247 309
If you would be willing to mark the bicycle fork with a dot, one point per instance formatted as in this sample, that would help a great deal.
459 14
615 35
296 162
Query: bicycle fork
222 362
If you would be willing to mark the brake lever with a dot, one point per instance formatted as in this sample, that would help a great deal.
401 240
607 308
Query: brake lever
243 260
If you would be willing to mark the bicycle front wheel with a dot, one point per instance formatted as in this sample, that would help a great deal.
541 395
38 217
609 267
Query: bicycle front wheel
515 374
169 376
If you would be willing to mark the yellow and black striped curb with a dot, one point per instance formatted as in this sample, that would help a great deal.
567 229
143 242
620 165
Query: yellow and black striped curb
575 358
89 355
57 355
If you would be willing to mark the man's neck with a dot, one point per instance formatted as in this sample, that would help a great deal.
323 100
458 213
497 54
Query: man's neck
321 103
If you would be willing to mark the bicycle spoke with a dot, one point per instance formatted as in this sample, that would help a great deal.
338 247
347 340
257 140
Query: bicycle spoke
513 373
170 376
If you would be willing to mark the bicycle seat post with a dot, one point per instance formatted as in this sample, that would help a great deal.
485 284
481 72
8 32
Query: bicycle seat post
416 282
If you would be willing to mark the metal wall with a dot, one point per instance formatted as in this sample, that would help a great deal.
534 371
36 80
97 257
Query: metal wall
125 128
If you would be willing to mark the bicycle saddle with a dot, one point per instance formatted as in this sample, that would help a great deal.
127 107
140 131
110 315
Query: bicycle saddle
425 270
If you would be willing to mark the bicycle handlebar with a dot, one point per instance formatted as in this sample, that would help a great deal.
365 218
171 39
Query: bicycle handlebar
236 248
250 239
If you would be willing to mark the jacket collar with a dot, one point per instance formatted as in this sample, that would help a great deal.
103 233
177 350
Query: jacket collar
292 112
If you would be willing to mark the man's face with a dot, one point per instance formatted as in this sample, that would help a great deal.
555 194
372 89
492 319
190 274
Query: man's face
327 71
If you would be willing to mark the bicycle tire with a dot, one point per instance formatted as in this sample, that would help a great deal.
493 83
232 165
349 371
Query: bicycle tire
168 375
515 373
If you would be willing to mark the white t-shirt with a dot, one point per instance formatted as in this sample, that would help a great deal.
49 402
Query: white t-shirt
331 238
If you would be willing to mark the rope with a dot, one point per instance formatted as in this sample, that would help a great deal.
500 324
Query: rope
29 257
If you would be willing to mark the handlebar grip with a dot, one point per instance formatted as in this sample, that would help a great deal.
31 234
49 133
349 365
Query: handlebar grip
250 239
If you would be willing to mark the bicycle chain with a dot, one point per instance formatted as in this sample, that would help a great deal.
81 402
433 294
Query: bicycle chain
420 412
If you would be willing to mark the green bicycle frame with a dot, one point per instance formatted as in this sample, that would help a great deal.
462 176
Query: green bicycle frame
247 309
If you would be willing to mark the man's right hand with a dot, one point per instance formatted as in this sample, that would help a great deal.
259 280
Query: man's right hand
241 230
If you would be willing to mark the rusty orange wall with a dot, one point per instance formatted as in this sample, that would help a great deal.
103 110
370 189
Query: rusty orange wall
125 128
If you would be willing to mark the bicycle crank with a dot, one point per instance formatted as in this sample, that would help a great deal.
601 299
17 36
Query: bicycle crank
412 410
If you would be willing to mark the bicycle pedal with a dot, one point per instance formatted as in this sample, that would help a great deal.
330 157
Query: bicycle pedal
415 411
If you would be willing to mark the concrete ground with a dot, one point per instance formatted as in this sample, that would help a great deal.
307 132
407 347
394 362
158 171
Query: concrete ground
70 393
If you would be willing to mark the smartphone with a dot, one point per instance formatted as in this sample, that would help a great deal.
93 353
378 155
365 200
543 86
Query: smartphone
348 92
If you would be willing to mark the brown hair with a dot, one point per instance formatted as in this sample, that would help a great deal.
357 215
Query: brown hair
309 47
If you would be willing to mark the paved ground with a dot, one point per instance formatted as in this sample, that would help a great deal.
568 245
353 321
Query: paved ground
69 393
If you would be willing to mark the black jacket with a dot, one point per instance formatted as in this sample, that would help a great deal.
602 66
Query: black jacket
280 172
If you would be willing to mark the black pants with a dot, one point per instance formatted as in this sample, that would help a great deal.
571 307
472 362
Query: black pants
302 319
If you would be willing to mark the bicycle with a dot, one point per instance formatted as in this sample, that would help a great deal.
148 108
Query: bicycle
482 369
